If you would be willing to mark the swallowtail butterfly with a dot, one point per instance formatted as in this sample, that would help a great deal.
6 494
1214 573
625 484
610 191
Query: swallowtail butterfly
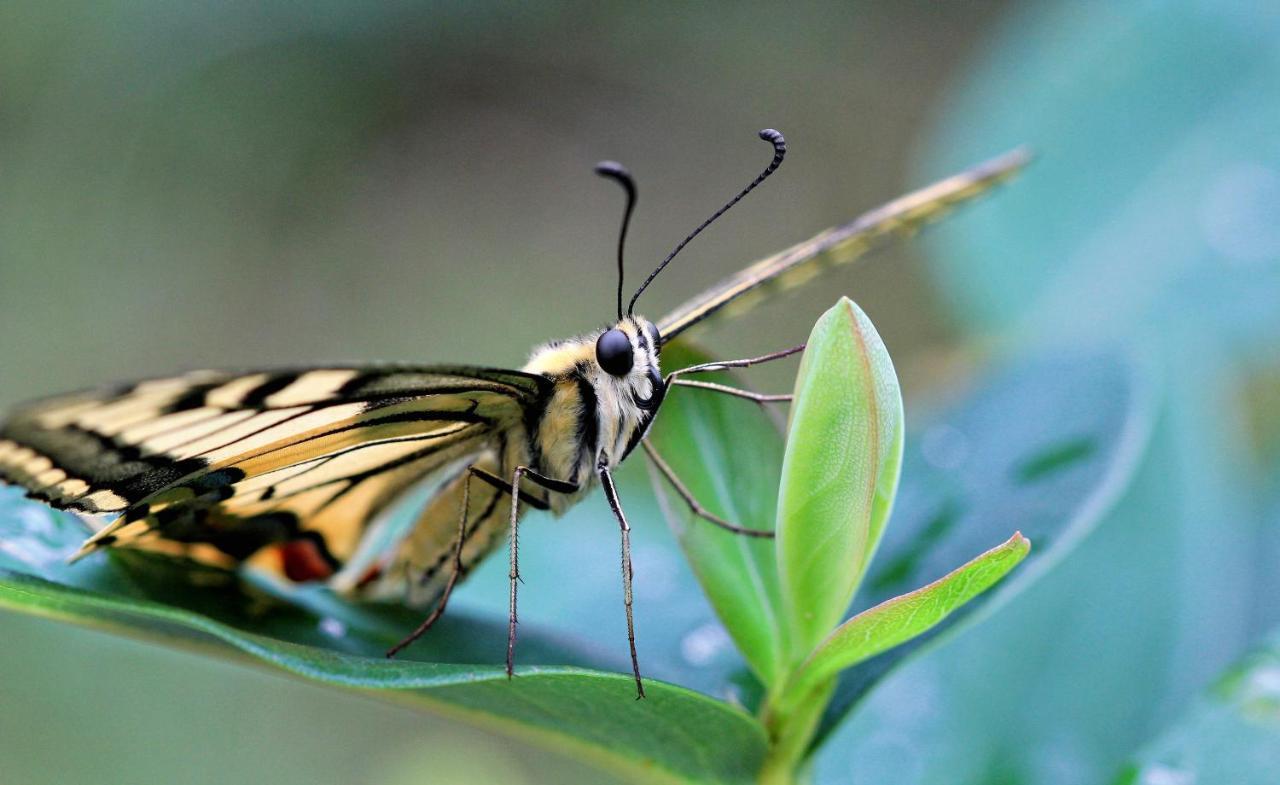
292 470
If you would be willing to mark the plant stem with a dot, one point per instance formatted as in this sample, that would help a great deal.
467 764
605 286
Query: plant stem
790 732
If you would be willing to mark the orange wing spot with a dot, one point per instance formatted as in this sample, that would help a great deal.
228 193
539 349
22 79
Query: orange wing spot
301 561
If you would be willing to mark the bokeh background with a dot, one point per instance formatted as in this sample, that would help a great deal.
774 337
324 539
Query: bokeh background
263 183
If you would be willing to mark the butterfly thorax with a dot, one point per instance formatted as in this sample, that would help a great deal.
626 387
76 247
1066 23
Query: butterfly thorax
592 417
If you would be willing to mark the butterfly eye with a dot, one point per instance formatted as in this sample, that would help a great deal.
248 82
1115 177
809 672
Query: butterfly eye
614 352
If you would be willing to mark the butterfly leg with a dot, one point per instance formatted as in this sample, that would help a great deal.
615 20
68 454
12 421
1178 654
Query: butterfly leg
674 380
472 472
744 363
734 391
611 493
695 507
551 484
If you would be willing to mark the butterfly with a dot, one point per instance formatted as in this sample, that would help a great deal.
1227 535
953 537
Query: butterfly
295 471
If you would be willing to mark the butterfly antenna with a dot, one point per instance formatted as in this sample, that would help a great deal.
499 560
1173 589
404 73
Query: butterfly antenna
619 174
779 143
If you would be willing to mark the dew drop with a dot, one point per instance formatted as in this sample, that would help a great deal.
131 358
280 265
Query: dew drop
1166 775
705 643
1264 684
332 627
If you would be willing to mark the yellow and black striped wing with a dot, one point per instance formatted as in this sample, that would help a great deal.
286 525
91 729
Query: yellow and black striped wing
841 244
218 465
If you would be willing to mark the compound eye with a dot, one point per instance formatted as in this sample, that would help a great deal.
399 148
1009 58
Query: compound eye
614 352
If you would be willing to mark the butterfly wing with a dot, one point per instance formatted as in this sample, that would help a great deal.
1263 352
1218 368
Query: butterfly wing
216 466
841 244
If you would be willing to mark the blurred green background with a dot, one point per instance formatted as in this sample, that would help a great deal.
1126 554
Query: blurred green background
240 184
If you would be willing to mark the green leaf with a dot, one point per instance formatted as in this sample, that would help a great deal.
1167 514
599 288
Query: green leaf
1042 445
840 472
1230 737
1008 454
728 452
590 713
906 616
577 703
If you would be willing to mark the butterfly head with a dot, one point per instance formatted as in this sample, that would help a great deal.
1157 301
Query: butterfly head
628 378
608 387
622 358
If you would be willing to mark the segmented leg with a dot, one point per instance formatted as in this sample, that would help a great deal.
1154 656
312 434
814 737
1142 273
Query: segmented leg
723 364
456 571
683 491
734 391
551 484
611 493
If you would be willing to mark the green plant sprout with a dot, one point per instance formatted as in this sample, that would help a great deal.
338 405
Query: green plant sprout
783 601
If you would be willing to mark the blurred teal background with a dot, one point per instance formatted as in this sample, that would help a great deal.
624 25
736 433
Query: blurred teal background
240 184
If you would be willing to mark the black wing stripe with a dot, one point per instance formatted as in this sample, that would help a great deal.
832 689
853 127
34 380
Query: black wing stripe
170 441
354 480
193 398
274 421
181 422
257 397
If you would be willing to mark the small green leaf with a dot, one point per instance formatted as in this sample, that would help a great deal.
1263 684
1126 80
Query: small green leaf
840 471
902 618
728 452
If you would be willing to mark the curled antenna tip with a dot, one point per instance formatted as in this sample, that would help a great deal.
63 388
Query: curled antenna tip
612 169
619 174
774 137
615 171
770 135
